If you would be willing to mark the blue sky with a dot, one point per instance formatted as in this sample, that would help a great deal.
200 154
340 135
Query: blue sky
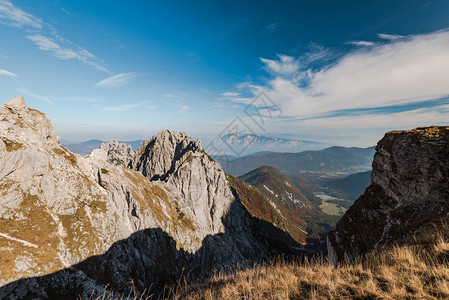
343 72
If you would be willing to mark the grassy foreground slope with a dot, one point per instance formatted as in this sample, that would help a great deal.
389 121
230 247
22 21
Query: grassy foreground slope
400 272
255 202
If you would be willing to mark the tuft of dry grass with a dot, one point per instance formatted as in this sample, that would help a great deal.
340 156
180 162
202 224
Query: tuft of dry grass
401 272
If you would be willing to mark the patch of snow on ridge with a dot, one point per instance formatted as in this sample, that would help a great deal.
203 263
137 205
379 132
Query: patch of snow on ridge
269 190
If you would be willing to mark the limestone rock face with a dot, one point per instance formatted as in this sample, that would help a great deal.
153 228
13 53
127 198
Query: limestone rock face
115 153
57 208
181 162
409 192
75 224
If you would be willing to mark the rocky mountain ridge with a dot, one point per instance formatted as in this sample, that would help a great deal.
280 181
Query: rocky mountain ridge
285 198
147 215
408 195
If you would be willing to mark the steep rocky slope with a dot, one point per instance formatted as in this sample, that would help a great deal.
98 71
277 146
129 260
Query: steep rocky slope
301 217
255 202
71 224
285 198
181 162
408 195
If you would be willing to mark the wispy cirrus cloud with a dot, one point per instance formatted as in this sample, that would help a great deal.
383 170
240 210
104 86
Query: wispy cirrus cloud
361 43
13 16
45 37
230 94
284 65
7 73
66 11
183 109
45 99
53 46
116 80
271 27
389 37
405 119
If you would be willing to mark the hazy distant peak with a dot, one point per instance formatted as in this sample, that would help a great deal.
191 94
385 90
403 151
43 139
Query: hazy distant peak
244 144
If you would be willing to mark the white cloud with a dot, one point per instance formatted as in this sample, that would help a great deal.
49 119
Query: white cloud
65 11
400 120
183 109
13 16
271 27
360 43
45 99
389 37
116 80
402 71
54 48
50 45
45 36
230 94
7 73
285 65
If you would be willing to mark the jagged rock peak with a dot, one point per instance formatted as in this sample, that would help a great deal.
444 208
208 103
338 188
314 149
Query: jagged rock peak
19 123
17 103
114 152
409 191
157 157
179 160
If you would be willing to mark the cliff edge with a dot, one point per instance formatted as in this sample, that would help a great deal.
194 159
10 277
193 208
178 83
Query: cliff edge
408 195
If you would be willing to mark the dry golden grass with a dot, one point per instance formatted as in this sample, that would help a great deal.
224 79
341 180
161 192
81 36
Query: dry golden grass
398 273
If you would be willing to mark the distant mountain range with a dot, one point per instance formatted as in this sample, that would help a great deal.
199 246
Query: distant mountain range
238 145
86 147
327 163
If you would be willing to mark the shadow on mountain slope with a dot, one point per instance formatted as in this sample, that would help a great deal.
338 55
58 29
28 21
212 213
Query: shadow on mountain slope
149 259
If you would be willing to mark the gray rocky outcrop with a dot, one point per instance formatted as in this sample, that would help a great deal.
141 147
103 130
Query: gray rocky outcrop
76 223
408 195
181 162
115 153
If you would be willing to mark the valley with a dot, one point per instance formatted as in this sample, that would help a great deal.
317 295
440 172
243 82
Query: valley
331 205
